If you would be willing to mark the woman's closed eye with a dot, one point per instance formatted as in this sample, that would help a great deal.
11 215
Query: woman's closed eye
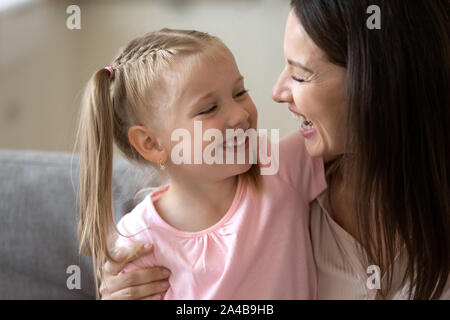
298 79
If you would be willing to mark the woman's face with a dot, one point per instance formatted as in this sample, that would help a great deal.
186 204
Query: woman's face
314 90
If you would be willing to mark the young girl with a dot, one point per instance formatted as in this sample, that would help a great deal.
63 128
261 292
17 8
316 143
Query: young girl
224 230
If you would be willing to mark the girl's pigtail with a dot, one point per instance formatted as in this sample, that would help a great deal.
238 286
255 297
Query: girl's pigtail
95 136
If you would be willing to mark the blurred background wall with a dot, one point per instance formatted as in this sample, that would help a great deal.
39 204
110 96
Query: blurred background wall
44 65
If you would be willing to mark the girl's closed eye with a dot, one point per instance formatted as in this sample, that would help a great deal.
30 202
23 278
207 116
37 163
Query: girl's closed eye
241 93
209 110
213 108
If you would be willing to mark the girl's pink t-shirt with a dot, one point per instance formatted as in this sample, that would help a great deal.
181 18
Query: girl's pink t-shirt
260 249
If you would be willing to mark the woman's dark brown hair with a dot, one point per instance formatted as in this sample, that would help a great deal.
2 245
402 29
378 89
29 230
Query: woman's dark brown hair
397 81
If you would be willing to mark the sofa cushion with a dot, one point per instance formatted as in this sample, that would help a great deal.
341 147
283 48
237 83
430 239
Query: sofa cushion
38 222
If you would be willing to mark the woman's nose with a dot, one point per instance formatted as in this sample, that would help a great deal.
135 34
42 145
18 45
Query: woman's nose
280 91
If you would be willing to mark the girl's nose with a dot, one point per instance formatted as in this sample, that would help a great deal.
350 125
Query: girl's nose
239 118
280 91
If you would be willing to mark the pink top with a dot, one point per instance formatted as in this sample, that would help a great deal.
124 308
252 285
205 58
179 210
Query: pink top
260 249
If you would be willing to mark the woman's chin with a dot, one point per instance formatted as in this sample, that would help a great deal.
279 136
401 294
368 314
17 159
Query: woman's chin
315 148
318 150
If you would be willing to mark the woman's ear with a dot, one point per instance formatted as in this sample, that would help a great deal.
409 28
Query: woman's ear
147 144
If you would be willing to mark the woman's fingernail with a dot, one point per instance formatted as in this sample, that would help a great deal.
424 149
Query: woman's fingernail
166 272
147 246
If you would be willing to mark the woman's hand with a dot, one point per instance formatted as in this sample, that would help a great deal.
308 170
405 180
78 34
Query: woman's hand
144 284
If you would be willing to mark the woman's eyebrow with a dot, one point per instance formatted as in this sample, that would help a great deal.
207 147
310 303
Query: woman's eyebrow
299 65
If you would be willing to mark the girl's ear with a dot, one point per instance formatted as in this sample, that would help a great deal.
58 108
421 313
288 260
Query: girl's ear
147 144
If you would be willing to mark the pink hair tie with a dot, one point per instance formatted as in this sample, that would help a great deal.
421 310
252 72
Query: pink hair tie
111 72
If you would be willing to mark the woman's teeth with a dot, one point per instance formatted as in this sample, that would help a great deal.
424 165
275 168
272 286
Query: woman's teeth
305 123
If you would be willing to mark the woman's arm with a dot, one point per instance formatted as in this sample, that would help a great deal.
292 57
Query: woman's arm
145 284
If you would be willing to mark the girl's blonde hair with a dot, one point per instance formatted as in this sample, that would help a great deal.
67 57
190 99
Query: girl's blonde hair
110 107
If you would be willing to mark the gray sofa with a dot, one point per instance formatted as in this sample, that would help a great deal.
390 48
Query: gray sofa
38 221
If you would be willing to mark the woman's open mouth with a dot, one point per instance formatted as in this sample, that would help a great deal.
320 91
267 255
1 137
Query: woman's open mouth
305 123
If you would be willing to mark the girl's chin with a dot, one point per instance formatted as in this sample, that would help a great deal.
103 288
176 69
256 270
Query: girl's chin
239 168
232 170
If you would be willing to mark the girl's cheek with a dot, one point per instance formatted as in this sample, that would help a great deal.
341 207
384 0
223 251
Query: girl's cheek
253 111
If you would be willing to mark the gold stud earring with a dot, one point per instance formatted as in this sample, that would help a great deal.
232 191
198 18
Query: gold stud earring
161 165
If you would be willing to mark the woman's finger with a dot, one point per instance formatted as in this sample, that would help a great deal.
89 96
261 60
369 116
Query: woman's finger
153 289
124 255
112 284
158 296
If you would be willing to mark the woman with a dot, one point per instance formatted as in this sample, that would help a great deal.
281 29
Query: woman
375 104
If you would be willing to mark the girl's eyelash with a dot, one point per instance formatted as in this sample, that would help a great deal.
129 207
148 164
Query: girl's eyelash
209 110
242 93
